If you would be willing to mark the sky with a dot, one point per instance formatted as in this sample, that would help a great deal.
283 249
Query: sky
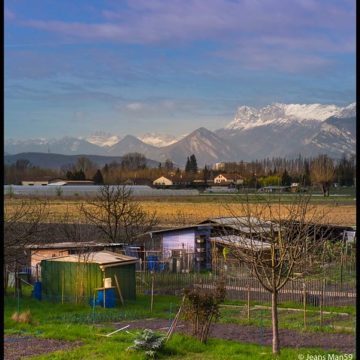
169 66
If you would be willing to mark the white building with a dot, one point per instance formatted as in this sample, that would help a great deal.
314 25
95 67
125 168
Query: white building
230 179
162 181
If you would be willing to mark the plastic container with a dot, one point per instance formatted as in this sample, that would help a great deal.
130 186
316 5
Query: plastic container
107 282
37 290
153 263
110 299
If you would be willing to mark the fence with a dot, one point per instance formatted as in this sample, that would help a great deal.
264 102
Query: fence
317 291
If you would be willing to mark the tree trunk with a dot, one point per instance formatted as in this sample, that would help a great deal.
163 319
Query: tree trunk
275 324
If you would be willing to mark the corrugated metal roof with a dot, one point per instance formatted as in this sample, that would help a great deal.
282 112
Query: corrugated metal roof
70 245
99 257
242 242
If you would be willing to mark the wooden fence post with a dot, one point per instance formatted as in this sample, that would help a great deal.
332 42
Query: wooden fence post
304 299
322 302
248 303
62 286
152 292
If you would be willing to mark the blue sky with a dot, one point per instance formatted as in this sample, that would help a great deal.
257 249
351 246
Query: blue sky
170 66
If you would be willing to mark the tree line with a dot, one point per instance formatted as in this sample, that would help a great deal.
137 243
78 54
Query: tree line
133 169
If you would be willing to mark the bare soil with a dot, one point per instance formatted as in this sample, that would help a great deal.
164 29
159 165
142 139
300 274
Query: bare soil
20 347
344 343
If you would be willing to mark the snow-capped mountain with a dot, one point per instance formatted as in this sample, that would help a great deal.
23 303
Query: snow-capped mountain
277 130
158 140
249 117
292 129
103 139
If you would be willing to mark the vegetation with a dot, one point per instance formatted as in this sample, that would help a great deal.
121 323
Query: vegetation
290 239
117 215
201 308
322 172
148 341
133 169
52 320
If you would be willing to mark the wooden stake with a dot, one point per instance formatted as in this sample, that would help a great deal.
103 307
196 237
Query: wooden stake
173 325
322 302
62 286
152 292
248 303
304 294
119 289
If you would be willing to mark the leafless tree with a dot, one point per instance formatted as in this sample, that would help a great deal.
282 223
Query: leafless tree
322 172
275 240
22 225
117 215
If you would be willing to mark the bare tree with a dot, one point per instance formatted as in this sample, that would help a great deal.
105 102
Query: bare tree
117 215
322 172
274 240
22 225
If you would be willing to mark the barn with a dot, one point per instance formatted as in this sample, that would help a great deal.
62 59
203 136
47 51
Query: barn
77 278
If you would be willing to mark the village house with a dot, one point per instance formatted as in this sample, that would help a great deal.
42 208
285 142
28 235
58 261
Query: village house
228 179
162 181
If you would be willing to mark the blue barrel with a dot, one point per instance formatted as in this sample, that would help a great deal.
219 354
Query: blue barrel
37 290
110 299
152 263
162 266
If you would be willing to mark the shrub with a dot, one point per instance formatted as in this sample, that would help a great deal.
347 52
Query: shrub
23 317
149 341
201 307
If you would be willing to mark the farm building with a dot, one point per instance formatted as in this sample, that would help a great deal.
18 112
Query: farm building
185 248
76 278
34 182
193 247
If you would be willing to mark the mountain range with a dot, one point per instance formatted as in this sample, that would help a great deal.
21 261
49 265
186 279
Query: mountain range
284 130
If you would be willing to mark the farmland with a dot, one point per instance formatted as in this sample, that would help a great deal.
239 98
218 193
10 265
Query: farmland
181 211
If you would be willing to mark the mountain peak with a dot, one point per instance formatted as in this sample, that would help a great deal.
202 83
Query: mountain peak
248 117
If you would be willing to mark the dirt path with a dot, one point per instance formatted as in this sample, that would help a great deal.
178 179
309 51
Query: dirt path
344 343
19 347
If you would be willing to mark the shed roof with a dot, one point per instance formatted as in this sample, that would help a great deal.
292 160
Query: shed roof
70 245
105 258
179 228
241 242
241 223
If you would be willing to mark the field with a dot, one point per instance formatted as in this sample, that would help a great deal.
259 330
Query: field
77 331
181 211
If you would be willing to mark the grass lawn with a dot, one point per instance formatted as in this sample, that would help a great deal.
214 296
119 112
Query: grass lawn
75 323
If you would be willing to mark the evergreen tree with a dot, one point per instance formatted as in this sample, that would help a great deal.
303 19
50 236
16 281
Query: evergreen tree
193 164
306 178
206 174
69 175
286 179
188 165
98 178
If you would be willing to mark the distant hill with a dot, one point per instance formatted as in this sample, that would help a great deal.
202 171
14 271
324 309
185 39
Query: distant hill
56 161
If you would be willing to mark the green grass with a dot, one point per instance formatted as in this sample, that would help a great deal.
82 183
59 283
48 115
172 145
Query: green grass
57 321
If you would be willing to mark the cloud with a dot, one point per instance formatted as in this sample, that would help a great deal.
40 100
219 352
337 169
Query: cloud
306 31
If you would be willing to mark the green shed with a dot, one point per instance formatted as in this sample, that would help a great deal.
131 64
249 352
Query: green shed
74 278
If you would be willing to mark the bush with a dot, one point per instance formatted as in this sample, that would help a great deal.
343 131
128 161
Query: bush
23 317
149 341
201 308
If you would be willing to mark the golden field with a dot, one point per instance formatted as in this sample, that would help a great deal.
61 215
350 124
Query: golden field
172 213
